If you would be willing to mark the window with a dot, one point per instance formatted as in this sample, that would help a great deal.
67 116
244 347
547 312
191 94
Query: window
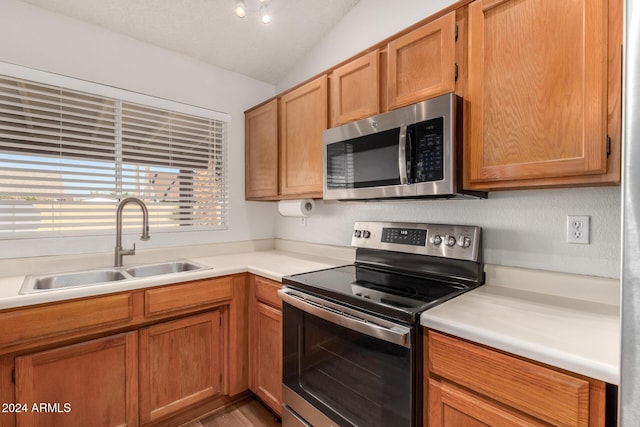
68 156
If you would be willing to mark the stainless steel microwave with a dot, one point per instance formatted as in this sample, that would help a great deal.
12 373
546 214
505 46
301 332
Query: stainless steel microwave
411 152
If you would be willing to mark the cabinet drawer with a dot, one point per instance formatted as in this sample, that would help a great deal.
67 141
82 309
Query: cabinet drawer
39 322
187 296
544 393
267 291
453 406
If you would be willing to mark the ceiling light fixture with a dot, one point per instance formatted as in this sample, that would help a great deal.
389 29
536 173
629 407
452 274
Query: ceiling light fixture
264 14
245 7
241 8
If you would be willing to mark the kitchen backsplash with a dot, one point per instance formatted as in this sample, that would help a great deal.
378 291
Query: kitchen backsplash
521 228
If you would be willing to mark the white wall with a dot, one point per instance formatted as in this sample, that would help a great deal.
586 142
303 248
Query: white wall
47 41
521 228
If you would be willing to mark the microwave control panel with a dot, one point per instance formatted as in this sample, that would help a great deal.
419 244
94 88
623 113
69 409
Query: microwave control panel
427 148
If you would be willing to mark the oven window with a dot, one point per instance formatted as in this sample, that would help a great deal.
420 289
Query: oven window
366 161
364 380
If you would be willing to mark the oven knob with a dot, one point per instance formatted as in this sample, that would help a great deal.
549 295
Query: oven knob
450 240
435 239
463 241
357 233
366 234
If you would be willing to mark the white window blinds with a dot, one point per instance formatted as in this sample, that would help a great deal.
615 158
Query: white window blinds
67 157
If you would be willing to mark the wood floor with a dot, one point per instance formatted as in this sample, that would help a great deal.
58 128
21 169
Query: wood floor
247 413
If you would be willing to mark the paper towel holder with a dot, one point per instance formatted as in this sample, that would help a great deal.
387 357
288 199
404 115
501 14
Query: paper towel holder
300 208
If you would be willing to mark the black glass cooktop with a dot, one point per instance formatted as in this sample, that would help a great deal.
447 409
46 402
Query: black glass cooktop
398 296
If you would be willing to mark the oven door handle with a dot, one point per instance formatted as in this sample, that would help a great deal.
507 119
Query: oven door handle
350 319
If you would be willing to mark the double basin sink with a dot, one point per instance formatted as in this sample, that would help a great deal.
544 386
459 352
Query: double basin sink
101 276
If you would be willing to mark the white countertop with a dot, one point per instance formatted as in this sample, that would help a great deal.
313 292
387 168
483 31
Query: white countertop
273 264
576 329
568 321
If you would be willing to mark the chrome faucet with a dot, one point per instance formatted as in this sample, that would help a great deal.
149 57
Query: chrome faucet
145 228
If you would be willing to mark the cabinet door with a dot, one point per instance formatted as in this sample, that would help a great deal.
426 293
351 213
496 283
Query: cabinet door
180 364
450 406
542 392
537 92
261 151
266 357
303 117
421 63
88 384
355 89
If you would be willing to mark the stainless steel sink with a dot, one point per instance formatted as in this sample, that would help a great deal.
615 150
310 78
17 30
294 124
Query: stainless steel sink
67 280
50 282
164 268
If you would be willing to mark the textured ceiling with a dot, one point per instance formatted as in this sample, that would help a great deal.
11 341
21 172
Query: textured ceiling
210 31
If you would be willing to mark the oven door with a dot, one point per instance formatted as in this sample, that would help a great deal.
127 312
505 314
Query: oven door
342 367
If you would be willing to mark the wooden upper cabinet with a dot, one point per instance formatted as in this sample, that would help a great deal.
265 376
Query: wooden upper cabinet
421 64
536 99
355 90
303 117
94 383
261 151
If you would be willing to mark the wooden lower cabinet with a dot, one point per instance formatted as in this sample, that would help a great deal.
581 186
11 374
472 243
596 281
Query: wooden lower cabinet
268 356
158 356
472 385
265 351
181 364
453 406
94 383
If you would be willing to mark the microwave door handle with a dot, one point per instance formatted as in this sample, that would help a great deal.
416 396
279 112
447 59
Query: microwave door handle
402 154
396 334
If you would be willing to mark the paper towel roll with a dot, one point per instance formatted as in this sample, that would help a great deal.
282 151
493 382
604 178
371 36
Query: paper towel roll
296 208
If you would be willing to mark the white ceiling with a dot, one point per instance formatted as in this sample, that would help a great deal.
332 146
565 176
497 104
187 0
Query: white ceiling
210 31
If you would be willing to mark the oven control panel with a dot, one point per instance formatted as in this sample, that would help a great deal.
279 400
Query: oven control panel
443 240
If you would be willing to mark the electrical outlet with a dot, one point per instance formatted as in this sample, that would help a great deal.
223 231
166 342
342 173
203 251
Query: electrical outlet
578 229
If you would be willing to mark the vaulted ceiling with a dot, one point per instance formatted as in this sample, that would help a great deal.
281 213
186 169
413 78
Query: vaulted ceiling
210 31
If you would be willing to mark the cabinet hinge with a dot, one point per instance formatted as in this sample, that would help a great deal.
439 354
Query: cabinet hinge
608 145
456 32
13 376
455 72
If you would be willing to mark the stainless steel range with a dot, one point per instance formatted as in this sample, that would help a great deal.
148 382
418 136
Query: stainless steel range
352 345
